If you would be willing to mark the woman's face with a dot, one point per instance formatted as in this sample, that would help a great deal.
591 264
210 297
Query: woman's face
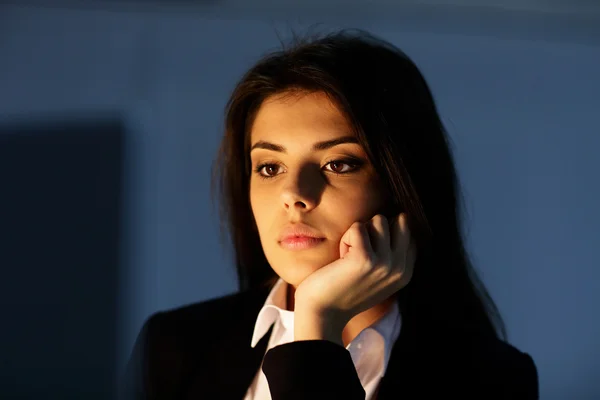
303 178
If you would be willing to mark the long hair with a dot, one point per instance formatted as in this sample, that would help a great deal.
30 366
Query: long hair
393 114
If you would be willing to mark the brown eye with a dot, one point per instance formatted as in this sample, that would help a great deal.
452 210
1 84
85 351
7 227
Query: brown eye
340 166
270 170
337 166
267 170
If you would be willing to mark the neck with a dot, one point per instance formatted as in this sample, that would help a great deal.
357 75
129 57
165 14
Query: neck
359 321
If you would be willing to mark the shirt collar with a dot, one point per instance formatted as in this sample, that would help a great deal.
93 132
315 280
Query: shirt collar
275 308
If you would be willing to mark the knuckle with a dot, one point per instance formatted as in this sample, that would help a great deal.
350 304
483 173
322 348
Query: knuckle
386 271
379 219
367 260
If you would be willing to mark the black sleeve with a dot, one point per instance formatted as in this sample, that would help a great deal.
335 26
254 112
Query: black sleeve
311 369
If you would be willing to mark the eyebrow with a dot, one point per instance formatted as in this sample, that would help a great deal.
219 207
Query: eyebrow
319 146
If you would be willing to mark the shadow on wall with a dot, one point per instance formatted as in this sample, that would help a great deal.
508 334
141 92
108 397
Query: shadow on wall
60 202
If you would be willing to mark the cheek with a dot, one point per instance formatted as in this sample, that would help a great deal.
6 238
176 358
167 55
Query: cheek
359 205
261 209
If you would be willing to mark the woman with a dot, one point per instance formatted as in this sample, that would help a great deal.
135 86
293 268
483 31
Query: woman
340 194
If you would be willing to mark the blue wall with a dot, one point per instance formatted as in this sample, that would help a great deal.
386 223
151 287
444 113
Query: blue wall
520 108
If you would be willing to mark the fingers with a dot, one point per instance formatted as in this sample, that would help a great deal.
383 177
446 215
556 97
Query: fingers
379 232
401 237
380 237
394 247
386 244
404 250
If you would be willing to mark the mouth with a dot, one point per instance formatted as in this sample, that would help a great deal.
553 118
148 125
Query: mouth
300 242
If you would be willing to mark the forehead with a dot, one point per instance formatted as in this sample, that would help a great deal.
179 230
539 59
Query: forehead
299 116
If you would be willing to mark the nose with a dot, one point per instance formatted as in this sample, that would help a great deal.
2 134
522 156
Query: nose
301 192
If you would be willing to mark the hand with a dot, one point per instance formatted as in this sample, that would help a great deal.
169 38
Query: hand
376 261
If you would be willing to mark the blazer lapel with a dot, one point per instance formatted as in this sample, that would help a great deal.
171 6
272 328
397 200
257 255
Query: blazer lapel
233 363
242 366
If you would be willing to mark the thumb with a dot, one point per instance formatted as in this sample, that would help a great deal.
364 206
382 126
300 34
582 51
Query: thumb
344 249
356 240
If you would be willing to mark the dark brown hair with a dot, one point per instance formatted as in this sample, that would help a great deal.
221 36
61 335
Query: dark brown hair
393 114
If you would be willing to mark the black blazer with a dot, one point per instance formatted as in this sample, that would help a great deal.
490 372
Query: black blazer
202 351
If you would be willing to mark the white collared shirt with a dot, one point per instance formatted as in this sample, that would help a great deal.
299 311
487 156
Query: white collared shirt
370 350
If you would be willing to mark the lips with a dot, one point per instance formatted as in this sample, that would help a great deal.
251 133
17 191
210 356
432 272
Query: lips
294 232
300 243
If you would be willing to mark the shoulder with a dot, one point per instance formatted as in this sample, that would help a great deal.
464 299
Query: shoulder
171 341
476 365
496 352
500 365
199 319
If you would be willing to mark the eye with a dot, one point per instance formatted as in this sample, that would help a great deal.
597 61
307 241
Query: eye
342 166
268 170
338 167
